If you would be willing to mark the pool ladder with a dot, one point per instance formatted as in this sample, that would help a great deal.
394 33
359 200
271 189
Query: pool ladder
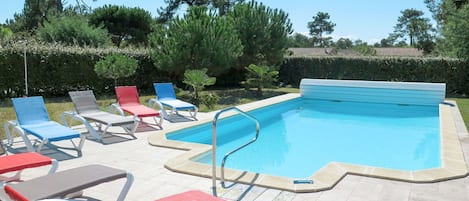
214 146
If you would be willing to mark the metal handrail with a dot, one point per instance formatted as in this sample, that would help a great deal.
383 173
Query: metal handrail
214 145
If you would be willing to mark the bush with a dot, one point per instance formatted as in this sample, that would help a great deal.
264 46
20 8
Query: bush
54 70
73 30
453 72
116 66
210 100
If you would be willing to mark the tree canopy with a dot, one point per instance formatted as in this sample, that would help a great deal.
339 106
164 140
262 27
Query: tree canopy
263 33
455 33
167 13
131 25
71 30
35 13
198 40
413 25
321 25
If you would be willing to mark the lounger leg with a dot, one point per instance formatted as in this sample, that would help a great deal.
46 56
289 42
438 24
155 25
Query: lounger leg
193 113
7 127
160 122
131 129
126 188
39 147
54 167
26 140
105 130
82 141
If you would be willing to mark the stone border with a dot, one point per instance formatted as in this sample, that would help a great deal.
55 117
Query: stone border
453 162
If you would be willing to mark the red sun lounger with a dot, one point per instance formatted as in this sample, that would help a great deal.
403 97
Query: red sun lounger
191 196
17 162
128 101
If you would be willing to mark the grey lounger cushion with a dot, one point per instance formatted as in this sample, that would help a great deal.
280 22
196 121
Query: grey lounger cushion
65 182
107 118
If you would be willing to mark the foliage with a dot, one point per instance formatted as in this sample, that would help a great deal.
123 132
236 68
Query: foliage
35 13
260 77
298 40
453 72
116 66
198 39
456 37
365 50
5 33
412 24
166 14
55 69
263 33
210 100
124 24
319 26
344 43
70 30
198 79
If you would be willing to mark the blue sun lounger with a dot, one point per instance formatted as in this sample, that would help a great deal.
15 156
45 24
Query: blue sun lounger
167 98
33 119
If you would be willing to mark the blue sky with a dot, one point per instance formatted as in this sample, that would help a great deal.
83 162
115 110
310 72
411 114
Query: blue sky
368 20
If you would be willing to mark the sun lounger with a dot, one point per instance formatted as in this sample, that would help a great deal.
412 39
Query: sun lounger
87 110
167 98
33 119
191 196
128 101
21 161
63 183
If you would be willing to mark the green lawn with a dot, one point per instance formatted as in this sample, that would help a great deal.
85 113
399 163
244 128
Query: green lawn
463 104
229 97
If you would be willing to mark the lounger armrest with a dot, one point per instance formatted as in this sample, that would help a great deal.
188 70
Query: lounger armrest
154 102
7 127
26 140
75 116
115 108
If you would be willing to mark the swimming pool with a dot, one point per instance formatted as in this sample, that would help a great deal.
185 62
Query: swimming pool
429 153
300 136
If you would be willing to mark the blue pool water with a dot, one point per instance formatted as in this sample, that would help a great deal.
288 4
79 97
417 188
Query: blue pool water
300 136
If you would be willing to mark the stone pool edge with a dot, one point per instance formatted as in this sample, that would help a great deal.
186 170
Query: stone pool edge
452 156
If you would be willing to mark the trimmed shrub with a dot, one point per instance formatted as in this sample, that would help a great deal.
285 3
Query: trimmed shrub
453 72
55 70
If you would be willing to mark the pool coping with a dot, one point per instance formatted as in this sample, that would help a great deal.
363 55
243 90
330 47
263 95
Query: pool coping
452 158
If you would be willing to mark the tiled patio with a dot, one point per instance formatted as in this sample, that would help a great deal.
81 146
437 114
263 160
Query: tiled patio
153 180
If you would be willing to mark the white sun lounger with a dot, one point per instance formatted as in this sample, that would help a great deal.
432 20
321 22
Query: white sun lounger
87 110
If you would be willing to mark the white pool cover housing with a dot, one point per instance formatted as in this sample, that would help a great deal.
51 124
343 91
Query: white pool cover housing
409 93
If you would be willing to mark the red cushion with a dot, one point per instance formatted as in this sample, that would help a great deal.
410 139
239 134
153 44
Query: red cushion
127 95
140 111
15 195
22 161
191 196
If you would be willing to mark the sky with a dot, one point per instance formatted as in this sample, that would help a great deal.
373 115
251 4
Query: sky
367 20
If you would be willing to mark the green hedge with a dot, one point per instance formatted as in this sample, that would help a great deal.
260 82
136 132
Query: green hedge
55 70
453 72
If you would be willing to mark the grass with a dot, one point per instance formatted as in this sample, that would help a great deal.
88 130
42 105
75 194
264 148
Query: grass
463 105
229 97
